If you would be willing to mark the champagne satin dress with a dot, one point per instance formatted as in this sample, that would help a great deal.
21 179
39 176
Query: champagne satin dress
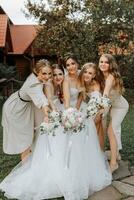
118 111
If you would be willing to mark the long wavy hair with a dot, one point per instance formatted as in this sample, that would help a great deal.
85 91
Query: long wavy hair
114 70
60 88
82 85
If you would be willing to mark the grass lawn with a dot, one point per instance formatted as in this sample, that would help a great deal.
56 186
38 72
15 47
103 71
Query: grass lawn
128 130
8 162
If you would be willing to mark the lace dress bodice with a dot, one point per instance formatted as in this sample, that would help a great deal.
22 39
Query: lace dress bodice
59 106
95 94
73 96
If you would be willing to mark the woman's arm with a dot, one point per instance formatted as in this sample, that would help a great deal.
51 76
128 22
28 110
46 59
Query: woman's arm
79 101
66 93
49 92
45 110
108 85
97 93
35 92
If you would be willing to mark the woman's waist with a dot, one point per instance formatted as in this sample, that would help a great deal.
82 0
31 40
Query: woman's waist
120 102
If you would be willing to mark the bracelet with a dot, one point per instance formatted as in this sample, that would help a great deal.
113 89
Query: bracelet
105 95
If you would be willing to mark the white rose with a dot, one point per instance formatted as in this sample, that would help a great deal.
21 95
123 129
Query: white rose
68 125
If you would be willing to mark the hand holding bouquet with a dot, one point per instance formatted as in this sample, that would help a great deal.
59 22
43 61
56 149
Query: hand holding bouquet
105 102
72 120
97 103
50 126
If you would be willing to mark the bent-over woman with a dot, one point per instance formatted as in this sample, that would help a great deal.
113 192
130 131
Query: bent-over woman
18 111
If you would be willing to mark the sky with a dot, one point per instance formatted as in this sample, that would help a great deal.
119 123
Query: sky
14 10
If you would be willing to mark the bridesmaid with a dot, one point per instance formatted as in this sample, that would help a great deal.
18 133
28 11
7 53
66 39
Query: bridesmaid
18 116
91 87
113 88
54 89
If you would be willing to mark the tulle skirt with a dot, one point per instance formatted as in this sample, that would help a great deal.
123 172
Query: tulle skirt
71 165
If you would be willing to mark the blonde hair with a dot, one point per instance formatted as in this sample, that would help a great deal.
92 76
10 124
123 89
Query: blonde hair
41 64
81 81
113 69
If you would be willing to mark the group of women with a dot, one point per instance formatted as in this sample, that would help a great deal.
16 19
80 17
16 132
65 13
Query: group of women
70 165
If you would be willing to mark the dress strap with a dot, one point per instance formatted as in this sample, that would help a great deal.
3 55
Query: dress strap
21 98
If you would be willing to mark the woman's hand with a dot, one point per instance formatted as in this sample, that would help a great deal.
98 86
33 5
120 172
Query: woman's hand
101 114
46 110
46 119
98 117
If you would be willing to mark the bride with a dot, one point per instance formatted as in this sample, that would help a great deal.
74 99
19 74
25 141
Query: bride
69 165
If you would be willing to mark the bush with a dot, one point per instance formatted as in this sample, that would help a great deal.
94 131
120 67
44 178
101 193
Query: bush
7 71
9 80
126 65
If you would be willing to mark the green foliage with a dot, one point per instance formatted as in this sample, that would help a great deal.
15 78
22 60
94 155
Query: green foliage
11 81
128 146
126 64
61 31
7 71
83 26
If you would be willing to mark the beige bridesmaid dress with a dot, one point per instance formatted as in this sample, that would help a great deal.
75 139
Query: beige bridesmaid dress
118 111
19 116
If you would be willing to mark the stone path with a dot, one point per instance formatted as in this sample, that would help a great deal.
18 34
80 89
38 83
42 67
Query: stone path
122 187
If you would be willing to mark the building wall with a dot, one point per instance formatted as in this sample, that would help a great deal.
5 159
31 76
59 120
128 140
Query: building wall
23 66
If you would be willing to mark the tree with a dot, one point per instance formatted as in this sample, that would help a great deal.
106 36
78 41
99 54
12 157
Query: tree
82 26
61 31
112 22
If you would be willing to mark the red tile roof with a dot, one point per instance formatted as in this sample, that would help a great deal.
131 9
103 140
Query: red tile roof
2 11
3 29
22 37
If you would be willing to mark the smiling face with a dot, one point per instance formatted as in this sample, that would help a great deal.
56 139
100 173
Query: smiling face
58 76
104 64
44 74
88 74
71 66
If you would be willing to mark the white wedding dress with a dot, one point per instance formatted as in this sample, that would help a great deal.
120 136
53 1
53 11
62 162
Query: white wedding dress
68 165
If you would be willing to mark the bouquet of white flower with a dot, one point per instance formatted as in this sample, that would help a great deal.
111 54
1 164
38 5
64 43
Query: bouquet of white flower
97 103
72 120
105 102
54 121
